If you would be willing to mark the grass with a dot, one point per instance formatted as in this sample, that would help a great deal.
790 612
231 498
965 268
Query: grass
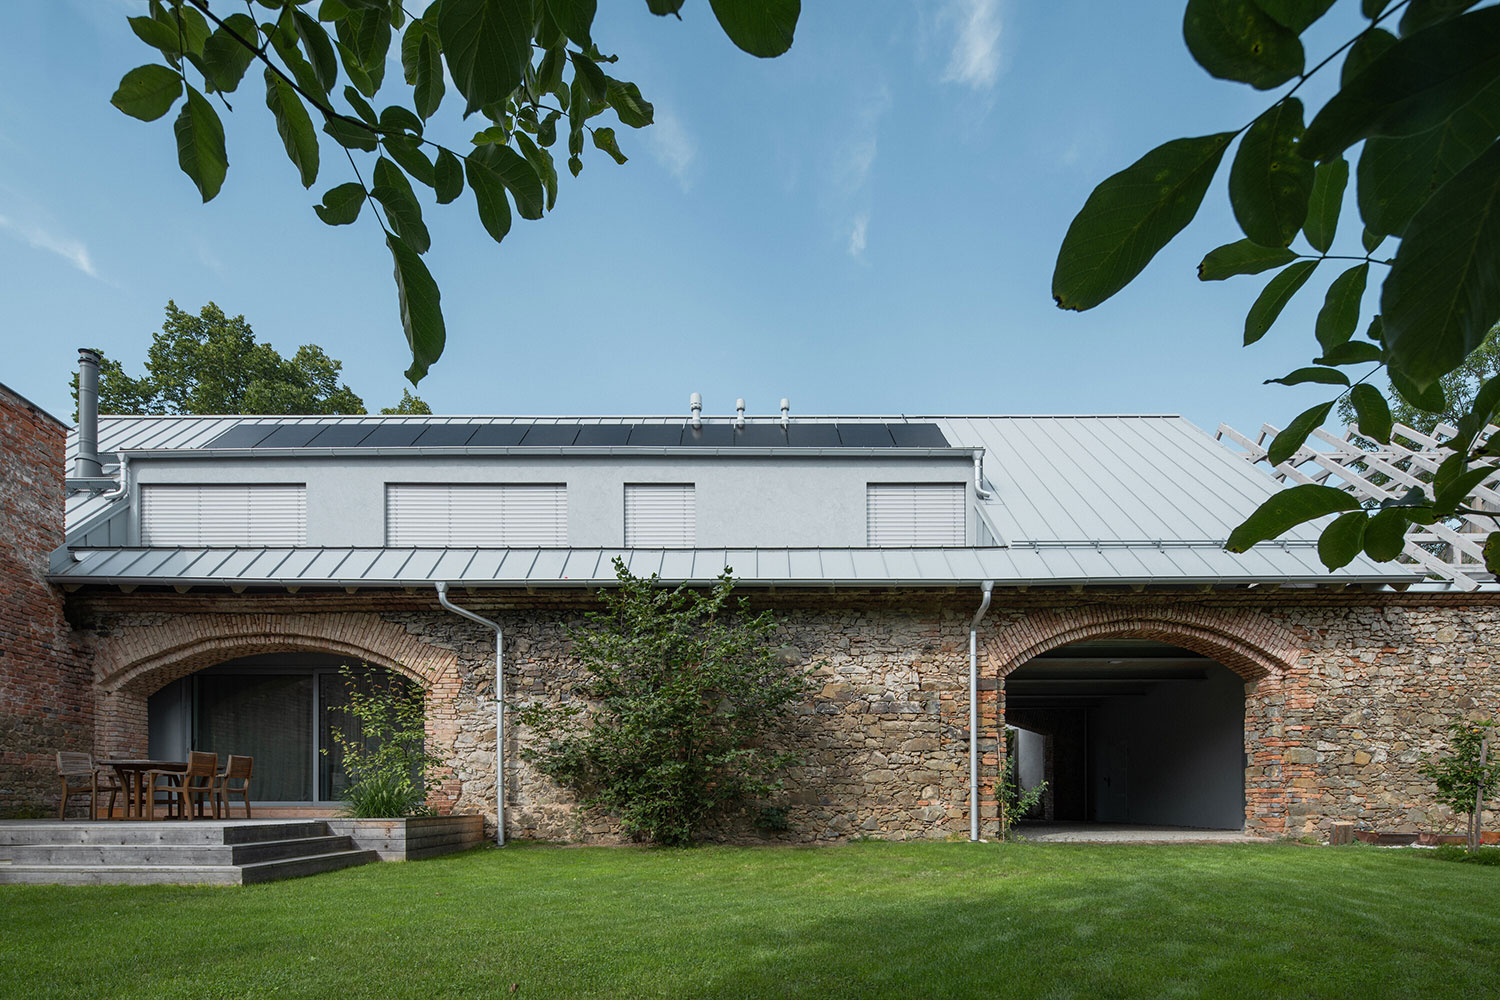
876 920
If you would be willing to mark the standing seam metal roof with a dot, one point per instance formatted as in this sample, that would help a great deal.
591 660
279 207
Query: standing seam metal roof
1081 499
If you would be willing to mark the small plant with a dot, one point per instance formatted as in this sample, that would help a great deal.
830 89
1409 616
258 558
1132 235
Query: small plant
1467 774
686 692
382 747
1015 801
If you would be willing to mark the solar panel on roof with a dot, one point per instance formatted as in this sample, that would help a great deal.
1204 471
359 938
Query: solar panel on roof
761 436
498 435
918 436
602 435
550 435
242 436
708 436
393 436
341 436
292 435
655 435
812 435
446 436
866 435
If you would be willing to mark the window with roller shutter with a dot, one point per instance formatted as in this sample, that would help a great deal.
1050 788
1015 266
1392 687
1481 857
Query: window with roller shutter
223 514
915 514
478 515
660 516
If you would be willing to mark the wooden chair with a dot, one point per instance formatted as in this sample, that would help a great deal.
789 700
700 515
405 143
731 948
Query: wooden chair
236 769
81 766
188 788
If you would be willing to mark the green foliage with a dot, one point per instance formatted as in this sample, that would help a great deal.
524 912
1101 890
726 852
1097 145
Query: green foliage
522 65
1467 775
1425 103
212 363
1454 852
408 404
684 696
380 743
1015 802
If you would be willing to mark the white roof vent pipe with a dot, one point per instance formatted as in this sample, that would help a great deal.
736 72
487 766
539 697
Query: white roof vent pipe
695 403
86 465
739 414
786 412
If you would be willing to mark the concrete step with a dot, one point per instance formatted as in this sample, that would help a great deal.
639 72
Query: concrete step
268 871
11 874
173 854
142 832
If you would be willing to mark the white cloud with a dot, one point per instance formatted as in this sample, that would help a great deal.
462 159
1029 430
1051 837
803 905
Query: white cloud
975 58
859 235
673 148
69 249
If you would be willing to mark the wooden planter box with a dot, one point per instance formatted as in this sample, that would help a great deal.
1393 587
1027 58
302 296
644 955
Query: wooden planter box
413 837
1385 838
1434 839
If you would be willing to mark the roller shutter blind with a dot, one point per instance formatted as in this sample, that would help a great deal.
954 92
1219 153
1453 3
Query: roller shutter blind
239 514
660 516
488 515
915 514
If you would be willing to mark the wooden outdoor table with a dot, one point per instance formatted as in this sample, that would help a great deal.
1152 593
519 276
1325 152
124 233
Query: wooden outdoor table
132 775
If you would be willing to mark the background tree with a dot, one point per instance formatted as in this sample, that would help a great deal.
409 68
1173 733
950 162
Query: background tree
530 68
684 694
212 363
1422 104
408 404
1460 391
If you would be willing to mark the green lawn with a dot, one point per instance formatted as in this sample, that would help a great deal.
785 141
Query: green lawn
877 920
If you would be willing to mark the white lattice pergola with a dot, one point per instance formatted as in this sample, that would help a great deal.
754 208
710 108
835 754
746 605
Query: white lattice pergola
1450 551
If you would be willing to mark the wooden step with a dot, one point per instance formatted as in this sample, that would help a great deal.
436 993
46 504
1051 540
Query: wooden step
268 871
12 874
173 854
117 832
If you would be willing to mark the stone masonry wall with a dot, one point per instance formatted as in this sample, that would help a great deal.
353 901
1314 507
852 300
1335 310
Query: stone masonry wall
45 700
1344 691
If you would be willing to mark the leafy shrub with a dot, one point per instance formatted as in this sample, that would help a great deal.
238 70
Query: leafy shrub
1015 802
382 745
685 693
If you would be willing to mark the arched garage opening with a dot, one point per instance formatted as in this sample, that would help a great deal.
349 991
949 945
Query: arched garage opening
1130 731
280 708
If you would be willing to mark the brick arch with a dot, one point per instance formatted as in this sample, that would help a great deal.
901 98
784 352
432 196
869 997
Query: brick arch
133 665
1245 641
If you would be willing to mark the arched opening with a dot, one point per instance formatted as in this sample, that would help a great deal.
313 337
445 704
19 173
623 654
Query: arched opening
280 708
1130 731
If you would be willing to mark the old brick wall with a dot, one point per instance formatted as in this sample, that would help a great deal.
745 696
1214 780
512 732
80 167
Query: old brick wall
46 702
1344 691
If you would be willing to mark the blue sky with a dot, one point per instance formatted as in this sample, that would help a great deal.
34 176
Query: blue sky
867 224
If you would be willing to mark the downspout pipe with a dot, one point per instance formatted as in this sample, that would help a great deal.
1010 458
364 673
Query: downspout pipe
442 593
979 489
987 589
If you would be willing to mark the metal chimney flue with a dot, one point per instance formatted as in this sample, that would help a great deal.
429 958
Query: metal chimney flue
86 465
695 403
739 414
786 412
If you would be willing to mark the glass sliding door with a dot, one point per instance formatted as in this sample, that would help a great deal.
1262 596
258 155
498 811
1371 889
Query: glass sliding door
281 708
265 716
